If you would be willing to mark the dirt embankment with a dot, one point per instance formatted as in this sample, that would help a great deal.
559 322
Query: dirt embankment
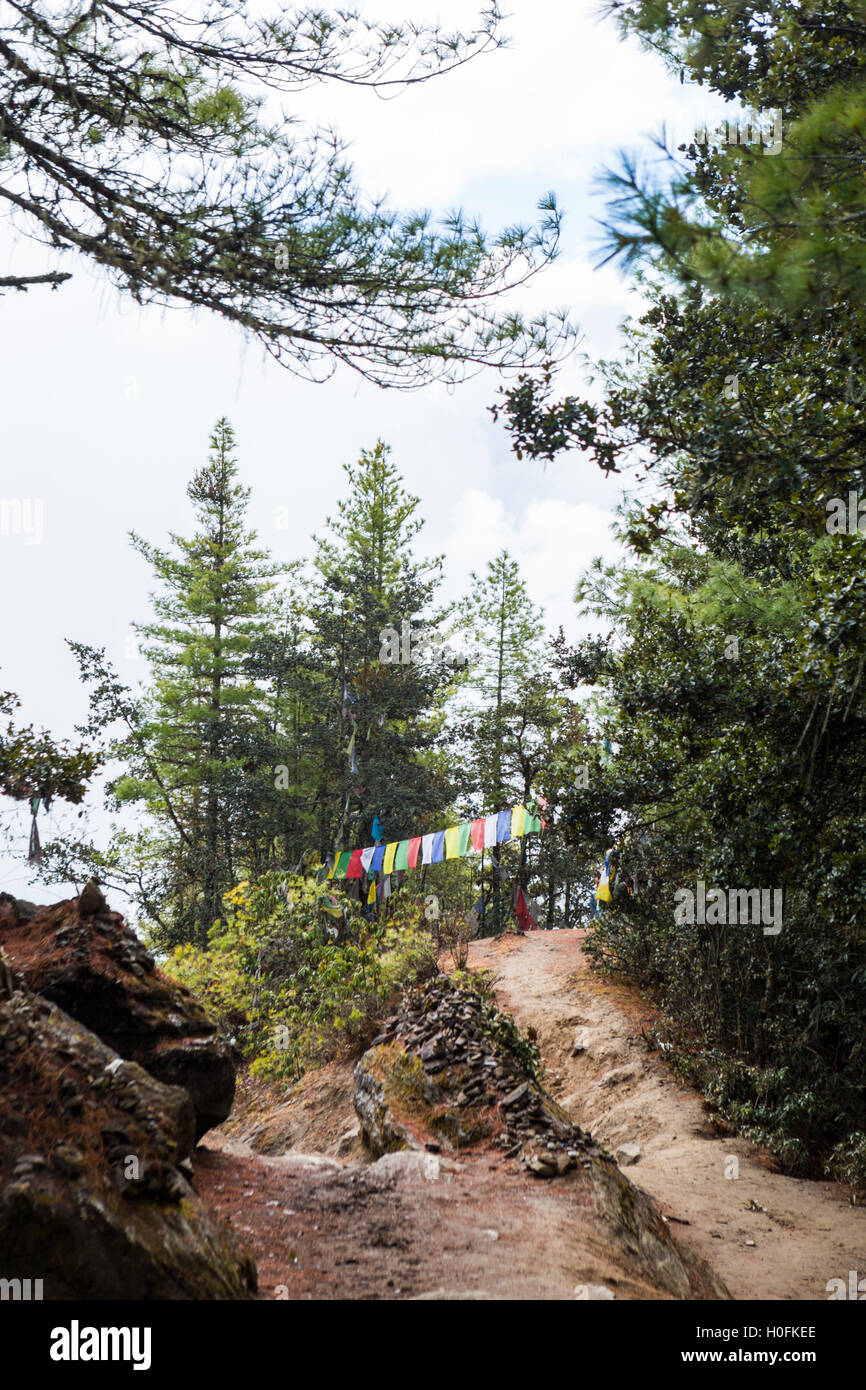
767 1235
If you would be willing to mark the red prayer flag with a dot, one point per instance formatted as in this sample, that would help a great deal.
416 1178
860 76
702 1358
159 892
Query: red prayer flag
355 869
521 911
476 834
414 848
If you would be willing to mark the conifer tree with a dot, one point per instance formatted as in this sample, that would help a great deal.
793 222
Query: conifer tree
189 742
379 683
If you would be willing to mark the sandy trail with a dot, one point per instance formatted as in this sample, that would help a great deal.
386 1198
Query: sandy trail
767 1235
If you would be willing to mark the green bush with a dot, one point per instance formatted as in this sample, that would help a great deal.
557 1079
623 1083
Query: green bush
769 1029
296 984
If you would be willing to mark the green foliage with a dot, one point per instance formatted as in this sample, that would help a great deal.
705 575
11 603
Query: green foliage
293 993
730 679
32 764
193 749
780 225
146 138
367 579
410 952
294 987
513 714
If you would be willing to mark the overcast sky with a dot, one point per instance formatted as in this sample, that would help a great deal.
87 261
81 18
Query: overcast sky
107 408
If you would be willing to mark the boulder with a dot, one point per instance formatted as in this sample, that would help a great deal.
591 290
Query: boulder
390 1082
84 958
92 1201
627 1154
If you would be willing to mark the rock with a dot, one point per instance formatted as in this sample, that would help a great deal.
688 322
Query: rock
627 1154
91 900
542 1165
618 1075
594 1293
388 1080
516 1095
581 1042
348 1141
407 1165
94 967
93 1203
640 1238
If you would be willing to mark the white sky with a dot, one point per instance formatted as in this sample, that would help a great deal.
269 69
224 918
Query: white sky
106 408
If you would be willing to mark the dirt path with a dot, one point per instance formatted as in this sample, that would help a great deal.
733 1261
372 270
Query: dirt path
411 1226
768 1236
325 1223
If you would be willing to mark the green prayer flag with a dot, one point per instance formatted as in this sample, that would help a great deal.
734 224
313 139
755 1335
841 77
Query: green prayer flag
401 858
463 838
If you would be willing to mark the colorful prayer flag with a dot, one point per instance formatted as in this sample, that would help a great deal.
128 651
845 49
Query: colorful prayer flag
390 851
401 858
521 910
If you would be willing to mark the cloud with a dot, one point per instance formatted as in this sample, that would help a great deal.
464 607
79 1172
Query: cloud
566 88
552 540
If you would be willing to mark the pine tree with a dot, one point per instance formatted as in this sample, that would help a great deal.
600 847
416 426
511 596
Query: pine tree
375 703
141 136
190 755
504 692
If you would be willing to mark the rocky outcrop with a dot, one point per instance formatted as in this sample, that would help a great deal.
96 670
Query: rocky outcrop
453 1068
390 1083
92 1197
84 958
451 1072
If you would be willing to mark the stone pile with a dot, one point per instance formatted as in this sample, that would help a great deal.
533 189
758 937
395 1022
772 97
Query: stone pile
475 1061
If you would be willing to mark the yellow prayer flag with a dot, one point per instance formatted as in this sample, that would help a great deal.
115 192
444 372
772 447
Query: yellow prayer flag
390 851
